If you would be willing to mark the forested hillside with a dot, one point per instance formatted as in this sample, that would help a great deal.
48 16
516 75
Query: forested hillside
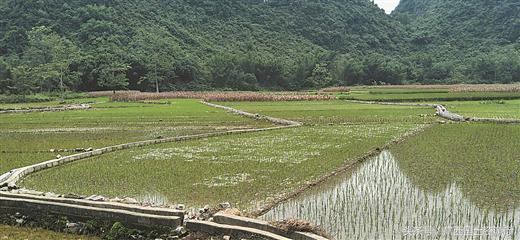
463 41
83 45
185 44
461 23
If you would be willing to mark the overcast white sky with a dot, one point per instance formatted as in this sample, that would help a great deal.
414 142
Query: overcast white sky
387 5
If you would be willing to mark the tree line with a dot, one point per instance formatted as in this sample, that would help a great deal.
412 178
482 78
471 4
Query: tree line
79 45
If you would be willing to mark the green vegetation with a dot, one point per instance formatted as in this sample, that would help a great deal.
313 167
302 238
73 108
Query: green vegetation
462 41
242 169
184 44
480 158
15 233
473 161
253 45
467 170
28 138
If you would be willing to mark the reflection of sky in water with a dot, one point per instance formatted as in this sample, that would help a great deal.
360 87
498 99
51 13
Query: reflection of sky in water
377 201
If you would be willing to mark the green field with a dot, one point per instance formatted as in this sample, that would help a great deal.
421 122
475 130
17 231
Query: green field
242 169
251 169
338 112
16 233
487 109
481 158
28 138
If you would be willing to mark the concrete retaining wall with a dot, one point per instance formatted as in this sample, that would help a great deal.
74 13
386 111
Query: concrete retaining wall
213 228
15 175
34 207
104 205
264 226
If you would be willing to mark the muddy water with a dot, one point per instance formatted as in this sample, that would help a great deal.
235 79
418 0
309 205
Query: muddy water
376 200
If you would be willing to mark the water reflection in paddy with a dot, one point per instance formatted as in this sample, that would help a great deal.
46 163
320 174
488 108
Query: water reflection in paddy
377 201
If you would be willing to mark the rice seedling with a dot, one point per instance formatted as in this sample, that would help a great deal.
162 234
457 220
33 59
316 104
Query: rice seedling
235 169
29 138
481 158
382 198
241 169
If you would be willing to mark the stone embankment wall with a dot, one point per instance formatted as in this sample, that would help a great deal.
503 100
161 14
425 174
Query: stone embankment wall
263 226
33 207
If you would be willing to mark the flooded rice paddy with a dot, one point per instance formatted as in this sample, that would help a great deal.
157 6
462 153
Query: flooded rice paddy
377 200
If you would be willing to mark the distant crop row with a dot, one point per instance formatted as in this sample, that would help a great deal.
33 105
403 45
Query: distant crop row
486 88
108 93
336 89
456 88
219 96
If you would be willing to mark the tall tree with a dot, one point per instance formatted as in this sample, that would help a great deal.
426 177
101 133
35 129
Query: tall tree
49 57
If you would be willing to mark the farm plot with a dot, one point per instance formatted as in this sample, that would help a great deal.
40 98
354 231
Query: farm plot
243 169
486 109
403 94
29 138
448 178
338 112
480 158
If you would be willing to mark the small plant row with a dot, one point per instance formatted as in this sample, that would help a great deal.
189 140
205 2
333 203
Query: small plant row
219 96
336 89
486 88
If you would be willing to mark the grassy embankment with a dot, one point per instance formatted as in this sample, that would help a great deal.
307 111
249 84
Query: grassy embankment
16 233
242 169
